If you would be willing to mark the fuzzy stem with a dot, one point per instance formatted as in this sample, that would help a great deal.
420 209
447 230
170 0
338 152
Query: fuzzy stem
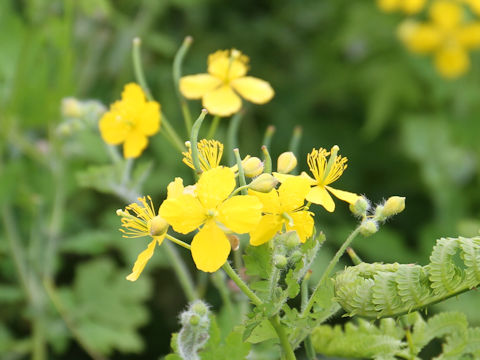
329 269
127 171
241 284
241 173
177 73
282 335
310 351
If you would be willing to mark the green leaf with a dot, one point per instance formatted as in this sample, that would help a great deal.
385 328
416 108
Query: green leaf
103 178
106 309
261 332
258 261
234 348
293 288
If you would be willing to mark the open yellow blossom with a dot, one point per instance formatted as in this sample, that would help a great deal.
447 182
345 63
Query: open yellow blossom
143 222
211 210
209 152
324 173
130 121
284 207
406 6
446 35
226 78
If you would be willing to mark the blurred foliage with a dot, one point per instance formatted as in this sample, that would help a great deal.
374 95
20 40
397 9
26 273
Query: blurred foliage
338 71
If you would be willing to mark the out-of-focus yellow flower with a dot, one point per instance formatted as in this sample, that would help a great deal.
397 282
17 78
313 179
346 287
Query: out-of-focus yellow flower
284 207
226 78
212 210
143 222
130 121
406 6
446 35
210 153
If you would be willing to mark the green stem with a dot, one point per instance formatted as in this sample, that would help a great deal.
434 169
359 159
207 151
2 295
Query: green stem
57 303
177 74
181 271
194 141
241 284
139 75
329 269
232 134
241 173
267 160
213 127
295 143
353 256
39 351
239 189
267 138
127 171
274 320
178 242
113 153
282 335
310 351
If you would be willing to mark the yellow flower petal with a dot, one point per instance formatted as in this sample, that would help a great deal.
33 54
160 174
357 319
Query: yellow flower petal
303 224
413 6
113 128
240 214
221 65
175 188
134 144
446 14
319 195
210 248
347 196
419 38
469 36
388 5
214 186
252 89
141 261
451 62
267 228
270 201
148 122
282 177
133 93
184 213
222 101
196 86
292 193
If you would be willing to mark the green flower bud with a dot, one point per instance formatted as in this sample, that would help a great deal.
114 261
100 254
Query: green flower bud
252 167
296 256
360 207
157 226
286 162
263 183
194 320
280 261
199 308
292 240
72 108
368 227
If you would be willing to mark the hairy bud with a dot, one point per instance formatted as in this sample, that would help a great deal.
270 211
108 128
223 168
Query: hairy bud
368 227
194 333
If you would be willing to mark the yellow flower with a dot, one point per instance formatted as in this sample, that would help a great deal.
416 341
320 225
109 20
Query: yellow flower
284 207
406 6
211 210
446 35
144 222
226 77
324 173
210 153
130 121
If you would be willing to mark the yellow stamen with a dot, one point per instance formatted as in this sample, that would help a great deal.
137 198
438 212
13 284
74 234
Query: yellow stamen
210 152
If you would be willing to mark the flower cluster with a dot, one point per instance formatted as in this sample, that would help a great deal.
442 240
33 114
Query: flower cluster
448 34
213 209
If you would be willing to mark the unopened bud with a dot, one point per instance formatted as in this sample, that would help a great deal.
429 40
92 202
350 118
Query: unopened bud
296 256
157 226
263 183
199 308
360 207
234 242
368 227
252 167
286 162
280 261
194 320
394 205
292 240
72 108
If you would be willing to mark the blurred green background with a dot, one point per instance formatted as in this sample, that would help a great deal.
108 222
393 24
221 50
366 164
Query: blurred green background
338 71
